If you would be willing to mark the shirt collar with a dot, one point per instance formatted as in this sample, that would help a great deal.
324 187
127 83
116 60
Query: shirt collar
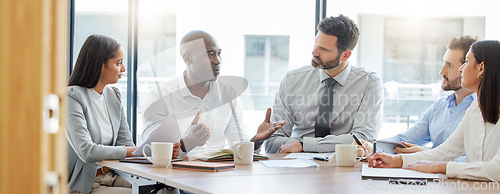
451 99
341 78
184 90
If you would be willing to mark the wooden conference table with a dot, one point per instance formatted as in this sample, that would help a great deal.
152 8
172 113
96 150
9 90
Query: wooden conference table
257 178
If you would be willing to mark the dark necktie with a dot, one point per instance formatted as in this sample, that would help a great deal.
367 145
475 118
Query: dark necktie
322 127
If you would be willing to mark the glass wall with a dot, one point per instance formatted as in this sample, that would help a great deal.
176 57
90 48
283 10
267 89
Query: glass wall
157 54
96 17
259 43
403 42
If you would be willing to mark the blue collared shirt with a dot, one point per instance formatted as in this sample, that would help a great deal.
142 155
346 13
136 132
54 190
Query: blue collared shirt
437 123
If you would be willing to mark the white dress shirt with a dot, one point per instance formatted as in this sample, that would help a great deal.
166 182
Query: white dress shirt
357 107
102 116
215 112
477 139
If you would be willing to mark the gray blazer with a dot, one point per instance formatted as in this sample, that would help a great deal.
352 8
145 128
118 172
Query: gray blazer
84 136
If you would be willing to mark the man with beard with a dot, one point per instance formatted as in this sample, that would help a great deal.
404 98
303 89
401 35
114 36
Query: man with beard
325 102
439 121
219 121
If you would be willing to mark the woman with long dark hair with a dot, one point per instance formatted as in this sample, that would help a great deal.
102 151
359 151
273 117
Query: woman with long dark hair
477 135
97 126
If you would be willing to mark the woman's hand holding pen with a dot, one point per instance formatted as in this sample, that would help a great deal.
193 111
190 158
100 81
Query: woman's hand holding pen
383 160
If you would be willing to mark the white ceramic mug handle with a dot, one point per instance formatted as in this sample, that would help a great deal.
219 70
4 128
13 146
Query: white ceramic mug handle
359 159
237 152
144 153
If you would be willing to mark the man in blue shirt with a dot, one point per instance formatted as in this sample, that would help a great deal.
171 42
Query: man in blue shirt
439 121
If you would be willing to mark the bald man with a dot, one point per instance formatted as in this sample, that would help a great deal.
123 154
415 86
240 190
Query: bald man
219 121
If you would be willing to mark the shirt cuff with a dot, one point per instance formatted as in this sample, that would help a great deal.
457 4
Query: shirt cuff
408 159
455 169
310 144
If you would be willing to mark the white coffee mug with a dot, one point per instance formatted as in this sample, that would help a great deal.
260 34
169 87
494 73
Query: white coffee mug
161 153
243 152
346 154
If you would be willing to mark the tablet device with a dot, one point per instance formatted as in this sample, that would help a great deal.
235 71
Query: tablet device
387 146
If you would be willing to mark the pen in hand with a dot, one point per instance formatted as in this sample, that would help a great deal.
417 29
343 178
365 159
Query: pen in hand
374 151
355 137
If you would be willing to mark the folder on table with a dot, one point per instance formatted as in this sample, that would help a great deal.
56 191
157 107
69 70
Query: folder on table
399 173
203 166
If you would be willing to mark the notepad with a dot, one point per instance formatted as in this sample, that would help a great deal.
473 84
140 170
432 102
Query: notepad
202 166
387 173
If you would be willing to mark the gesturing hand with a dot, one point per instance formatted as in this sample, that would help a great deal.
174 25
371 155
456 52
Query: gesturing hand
266 129
198 135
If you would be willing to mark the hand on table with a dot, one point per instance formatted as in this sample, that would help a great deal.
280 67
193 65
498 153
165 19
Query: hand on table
291 147
383 160
412 148
428 167
176 150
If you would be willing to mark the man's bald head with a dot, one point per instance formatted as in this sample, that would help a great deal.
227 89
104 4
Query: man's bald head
195 35
201 54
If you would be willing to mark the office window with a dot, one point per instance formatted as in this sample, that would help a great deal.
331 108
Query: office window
399 41
266 58
91 19
405 46
411 70
156 53
244 34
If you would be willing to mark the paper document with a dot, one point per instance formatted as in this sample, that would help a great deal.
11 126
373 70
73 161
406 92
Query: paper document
307 155
386 173
169 130
296 163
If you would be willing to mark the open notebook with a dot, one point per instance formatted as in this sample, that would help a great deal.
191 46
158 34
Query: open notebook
387 173
224 155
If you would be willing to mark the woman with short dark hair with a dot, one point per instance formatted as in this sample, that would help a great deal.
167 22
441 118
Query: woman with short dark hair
477 135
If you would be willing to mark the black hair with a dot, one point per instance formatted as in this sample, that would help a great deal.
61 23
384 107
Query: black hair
343 28
95 52
488 52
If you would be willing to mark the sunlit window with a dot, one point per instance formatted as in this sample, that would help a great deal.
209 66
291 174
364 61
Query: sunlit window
402 41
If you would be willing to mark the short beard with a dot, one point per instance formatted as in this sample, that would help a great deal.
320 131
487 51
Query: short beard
454 85
327 65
